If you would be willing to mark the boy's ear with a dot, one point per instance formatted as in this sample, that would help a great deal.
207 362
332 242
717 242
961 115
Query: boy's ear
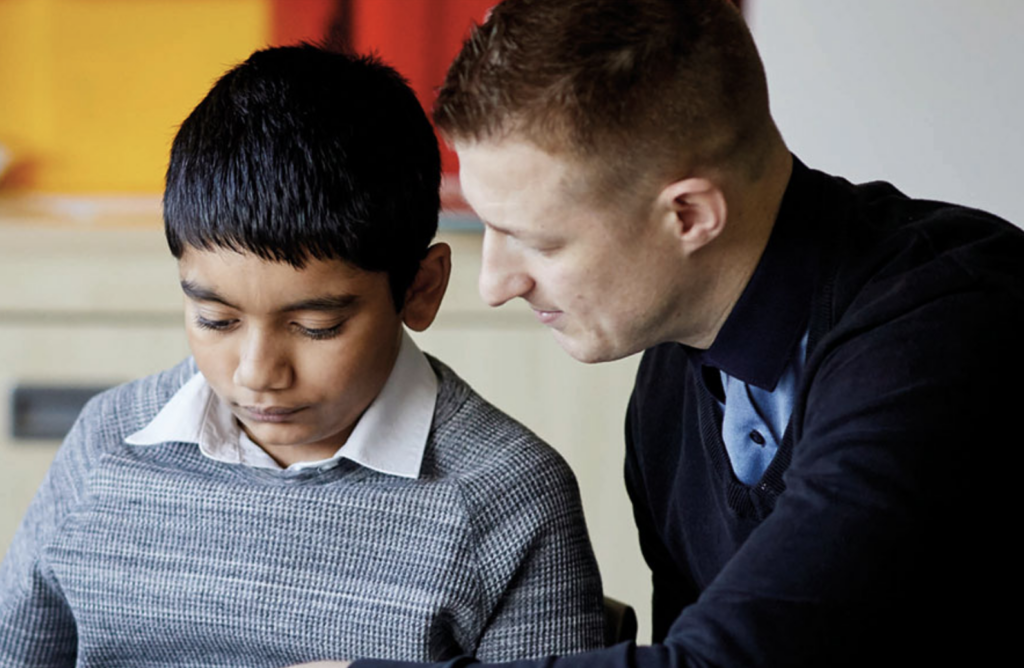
424 296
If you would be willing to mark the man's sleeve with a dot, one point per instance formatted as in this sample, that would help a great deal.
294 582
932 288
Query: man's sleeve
887 546
538 572
36 624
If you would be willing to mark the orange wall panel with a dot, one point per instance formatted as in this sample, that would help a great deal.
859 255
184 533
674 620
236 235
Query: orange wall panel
94 89
419 39
294 21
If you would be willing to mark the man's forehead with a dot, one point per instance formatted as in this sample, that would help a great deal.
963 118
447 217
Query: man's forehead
513 191
515 169
515 185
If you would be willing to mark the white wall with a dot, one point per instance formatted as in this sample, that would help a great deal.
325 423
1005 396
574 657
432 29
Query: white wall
923 93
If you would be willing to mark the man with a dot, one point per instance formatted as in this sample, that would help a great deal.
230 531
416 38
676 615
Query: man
814 442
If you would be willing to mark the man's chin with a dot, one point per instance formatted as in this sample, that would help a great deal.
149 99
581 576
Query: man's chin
587 351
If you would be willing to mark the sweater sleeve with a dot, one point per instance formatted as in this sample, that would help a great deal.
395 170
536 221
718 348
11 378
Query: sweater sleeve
36 624
538 575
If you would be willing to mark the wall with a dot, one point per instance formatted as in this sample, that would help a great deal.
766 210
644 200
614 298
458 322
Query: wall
93 91
923 93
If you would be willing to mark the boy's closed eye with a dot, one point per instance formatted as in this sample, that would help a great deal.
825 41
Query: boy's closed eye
314 330
319 333
317 318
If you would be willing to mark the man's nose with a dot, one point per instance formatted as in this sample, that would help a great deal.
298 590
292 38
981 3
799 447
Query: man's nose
263 363
502 276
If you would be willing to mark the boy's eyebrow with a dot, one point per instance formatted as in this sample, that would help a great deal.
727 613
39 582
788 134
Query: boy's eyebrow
326 303
198 293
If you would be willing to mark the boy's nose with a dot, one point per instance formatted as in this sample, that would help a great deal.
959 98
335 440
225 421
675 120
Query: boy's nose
263 364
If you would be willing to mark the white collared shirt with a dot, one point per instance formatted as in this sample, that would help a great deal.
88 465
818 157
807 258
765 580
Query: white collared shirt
390 437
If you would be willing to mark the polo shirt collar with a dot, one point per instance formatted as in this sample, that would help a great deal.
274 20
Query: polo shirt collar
758 339
390 437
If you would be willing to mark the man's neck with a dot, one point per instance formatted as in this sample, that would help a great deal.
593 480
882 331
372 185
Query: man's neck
753 209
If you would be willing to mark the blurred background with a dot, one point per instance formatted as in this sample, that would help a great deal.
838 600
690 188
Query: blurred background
923 93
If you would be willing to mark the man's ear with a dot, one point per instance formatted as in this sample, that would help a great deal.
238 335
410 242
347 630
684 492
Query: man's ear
424 296
696 210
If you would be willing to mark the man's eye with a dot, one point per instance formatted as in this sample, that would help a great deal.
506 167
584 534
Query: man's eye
547 250
320 333
215 325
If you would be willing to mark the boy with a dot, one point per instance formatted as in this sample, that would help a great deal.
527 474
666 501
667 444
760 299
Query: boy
309 482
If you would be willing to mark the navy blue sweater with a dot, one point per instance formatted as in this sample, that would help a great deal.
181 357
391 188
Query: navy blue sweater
877 535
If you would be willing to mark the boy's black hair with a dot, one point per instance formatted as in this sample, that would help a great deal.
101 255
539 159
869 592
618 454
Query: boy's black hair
300 152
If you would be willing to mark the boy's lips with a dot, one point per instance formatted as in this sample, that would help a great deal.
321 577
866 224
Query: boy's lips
270 413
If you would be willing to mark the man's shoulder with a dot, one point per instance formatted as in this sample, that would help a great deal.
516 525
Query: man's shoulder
478 445
917 312
877 217
884 253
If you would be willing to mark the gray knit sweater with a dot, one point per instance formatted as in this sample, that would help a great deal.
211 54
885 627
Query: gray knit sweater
159 556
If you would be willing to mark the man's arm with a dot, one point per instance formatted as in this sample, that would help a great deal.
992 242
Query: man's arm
672 588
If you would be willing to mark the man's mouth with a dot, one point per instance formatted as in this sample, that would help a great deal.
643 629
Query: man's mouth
546 317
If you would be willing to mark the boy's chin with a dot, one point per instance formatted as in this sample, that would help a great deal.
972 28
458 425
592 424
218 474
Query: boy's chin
290 443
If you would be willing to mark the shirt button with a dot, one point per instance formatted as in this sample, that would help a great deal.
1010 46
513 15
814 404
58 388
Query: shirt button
756 437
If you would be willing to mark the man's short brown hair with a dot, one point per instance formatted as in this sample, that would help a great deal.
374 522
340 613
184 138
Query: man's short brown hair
634 84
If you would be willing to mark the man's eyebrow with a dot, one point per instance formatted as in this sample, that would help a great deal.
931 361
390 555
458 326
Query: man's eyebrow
530 237
198 293
500 230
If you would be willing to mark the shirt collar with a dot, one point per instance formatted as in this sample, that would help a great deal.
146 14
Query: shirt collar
390 437
760 336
